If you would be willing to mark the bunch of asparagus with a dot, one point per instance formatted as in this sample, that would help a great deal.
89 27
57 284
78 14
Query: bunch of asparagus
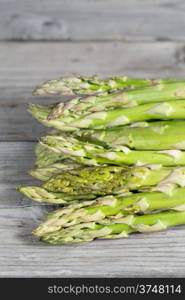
115 160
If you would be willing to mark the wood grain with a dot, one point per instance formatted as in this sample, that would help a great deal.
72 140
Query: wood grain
15 161
18 125
29 63
102 19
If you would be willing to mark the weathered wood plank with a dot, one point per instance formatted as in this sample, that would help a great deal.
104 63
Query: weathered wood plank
28 65
15 160
21 255
103 19
17 124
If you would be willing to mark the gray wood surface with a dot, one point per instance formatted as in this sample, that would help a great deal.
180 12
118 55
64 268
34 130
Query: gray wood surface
40 40
29 63
92 19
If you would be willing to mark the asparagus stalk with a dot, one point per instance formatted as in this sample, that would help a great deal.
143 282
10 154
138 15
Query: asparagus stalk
119 228
45 156
44 173
90 85
112 118
159 91
141 136
147 135
93 182
47 159
119 155
41 113
41 195
107 180
49 162
101 208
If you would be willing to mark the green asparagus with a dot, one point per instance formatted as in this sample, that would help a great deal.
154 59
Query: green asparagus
41 195
90 85
123 142
45 156
44 173
88 183
112 118
111 180
120 155
99 209
159 92
117 228
158 135
48 161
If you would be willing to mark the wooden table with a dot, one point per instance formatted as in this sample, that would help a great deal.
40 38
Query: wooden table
45 39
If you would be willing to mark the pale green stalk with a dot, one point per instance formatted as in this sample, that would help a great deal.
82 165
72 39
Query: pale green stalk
119 155
90 85
111 118
44 173
45 156
39 194
118 228
111 180
160 135
119 206
159 91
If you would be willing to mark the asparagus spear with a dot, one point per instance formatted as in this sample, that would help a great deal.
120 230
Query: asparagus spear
45 156
118 228
99 209
41 113
93 182
143 136
56 156
107 180
112 118
44 173
41 195
147 135
89 85
119 155
48 160
158 92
